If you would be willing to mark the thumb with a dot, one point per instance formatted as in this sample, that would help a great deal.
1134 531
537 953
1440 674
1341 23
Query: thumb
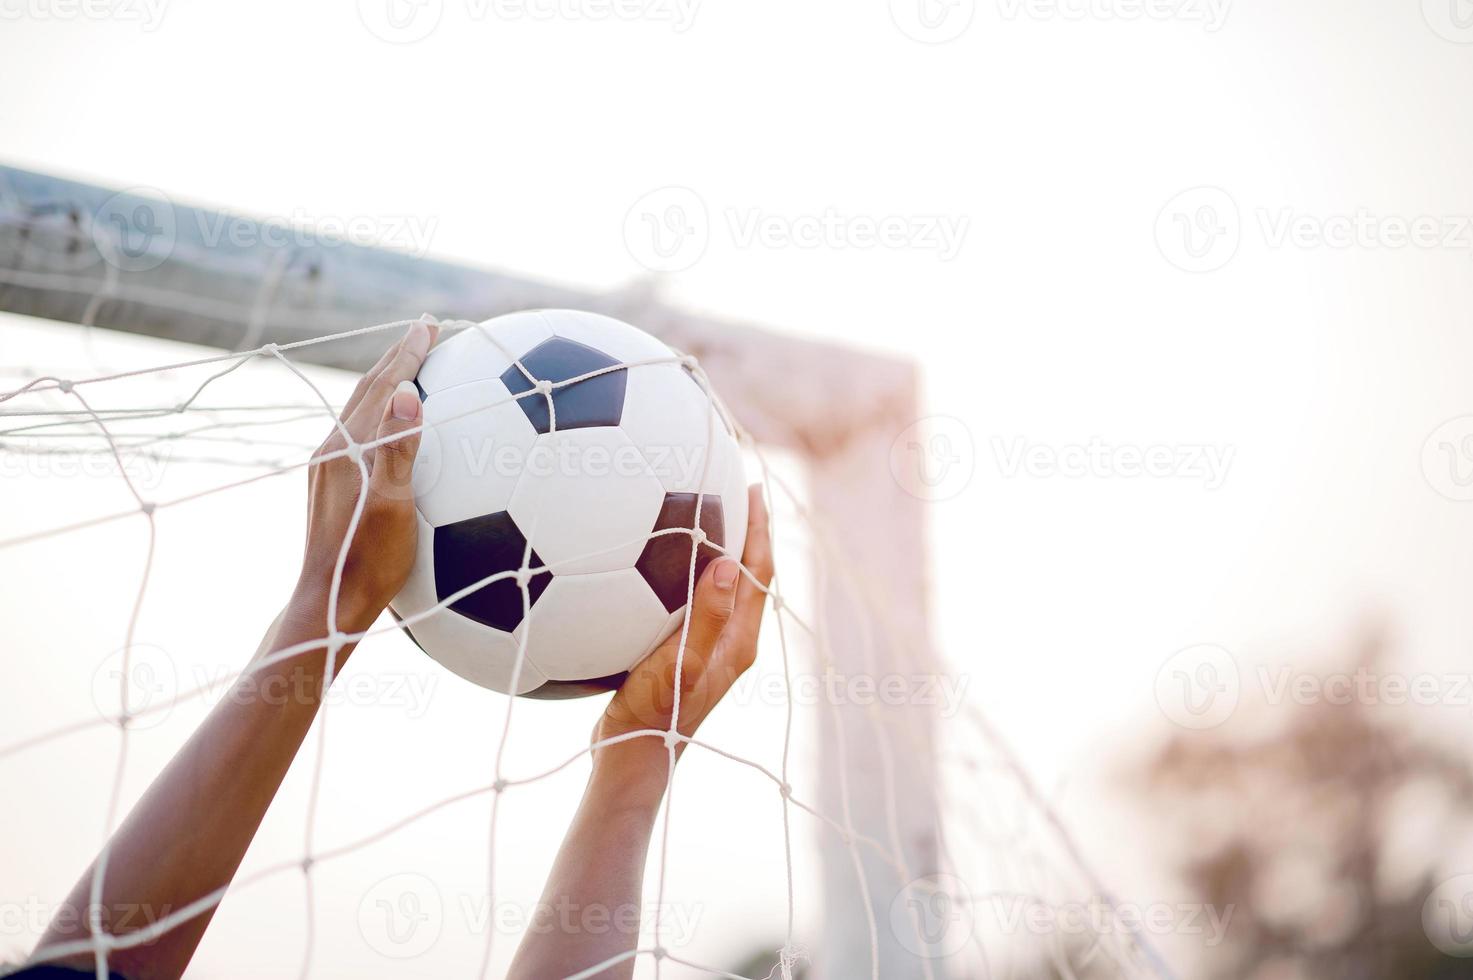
393 462
711 607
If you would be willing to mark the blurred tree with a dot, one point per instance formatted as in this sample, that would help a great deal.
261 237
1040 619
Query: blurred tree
1326 834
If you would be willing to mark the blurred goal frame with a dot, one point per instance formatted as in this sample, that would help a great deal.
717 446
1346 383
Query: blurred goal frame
64 256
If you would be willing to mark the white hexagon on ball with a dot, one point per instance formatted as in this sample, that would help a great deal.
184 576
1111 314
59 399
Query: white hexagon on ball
483 351
571 475
583 626
472 454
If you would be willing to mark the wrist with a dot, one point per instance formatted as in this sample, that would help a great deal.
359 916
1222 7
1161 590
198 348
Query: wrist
309 607
630 775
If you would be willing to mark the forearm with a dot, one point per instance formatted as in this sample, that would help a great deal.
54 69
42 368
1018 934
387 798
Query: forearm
188 834
590 908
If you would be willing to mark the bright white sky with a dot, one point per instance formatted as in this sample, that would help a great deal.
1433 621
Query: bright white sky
523 143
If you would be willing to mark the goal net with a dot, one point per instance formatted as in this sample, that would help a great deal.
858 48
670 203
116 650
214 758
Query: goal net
847 812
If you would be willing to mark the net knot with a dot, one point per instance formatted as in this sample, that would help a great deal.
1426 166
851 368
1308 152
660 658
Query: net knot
307 863
671 740
429 319
125 719
524 577
543 387
270 348
64 386
785 790
147 507
499 786
355 452
658 952
337 640
698 536
689 362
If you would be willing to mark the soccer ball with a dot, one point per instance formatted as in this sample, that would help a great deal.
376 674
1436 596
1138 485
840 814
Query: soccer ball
571 481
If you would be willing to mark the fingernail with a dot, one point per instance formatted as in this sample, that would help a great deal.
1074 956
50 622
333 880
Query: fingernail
406 402
725 574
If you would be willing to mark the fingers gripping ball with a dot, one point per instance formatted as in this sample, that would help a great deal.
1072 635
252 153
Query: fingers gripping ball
570 466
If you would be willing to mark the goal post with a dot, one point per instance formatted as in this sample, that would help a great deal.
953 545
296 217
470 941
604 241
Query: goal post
136 261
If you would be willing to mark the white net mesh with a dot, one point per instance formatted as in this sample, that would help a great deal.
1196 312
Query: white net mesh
1000 847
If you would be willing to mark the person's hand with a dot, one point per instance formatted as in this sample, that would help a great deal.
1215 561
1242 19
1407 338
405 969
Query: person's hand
384 404
721 644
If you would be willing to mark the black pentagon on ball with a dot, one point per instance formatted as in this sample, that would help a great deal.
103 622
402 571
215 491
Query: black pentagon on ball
594 401
665 561
468 551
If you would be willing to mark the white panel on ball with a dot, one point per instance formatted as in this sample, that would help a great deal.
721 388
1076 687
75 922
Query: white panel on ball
734 505
475 446
670 419
484 351
480 654
667 629
587 500
418 593
589 626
